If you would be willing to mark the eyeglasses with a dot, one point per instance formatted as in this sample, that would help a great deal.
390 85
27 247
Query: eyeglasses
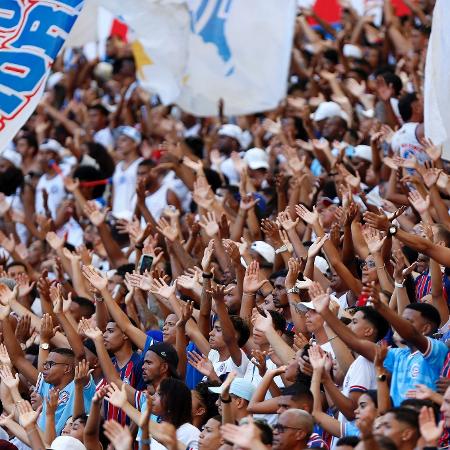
279 428
50 364
370 264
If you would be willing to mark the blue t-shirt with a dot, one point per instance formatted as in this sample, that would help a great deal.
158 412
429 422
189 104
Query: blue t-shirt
66 399
350 429
193 376
409 369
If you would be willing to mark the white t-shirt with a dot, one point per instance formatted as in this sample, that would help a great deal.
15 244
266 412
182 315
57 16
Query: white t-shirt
405 143
252 375
187 434
124 185
56 194
223 367
105 138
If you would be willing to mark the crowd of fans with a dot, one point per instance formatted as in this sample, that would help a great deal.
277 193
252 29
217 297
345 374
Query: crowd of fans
272 281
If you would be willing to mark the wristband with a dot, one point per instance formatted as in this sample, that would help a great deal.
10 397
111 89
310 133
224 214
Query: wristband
138 246
207 275
399 285
145 441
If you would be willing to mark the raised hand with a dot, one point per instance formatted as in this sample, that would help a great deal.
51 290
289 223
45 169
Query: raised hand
55 242
430 176
245 436
139 281
116 396
100 394
252 280
201 363
23 329
218 292
248 202
203 194
119 436
310 217
94 214
47 331
186 313
71 184
11 381
284 220
25 287
420 204
168 230
161 288
374 240
430 432
264 324
316 246
259 360
94 277
209 224
82 373
8 243
232 250
433 151
317 358
295 267
271 231
4 356
207 256
52 401
319 297
380 355
90 332
378 221
189 282
27 416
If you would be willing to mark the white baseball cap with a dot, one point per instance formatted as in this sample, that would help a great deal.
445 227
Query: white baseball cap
232 131
265 250
352 51
240 387
130 132
15 158
67 443
52 145
304 306
363 152
325 110
257 158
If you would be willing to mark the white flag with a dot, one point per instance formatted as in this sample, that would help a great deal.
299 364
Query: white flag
30 39
238 51
437 79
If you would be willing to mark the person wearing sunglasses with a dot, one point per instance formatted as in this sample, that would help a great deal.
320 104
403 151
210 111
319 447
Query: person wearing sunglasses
293 430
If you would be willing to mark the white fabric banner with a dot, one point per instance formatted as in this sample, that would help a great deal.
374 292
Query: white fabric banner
194 52
30 39
437 79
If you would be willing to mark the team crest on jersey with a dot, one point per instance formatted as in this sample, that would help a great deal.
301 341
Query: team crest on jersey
415 370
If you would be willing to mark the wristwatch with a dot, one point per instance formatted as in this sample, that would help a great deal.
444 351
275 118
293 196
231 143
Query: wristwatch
293 290
45 346
382 377
392 231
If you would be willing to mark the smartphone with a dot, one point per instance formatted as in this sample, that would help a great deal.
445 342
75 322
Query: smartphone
145 263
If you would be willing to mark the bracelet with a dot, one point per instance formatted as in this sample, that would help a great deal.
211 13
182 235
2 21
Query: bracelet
225 401
399 285
145 441
138 246
98 299
382 267
249 294
207 275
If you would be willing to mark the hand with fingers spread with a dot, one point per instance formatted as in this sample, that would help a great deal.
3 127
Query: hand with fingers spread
259 360
315 248
11 381
55 242
94 333
4 356
430 176
232 250
161 288
294 269
82 373
218 292
6 297
23 329
317 358
8 243
271 232
139 281
168 230
319 297
47 331
203 194
25 286
95 278
310 217
286 241
116 396
284 220
252 281
248 202
209 224
191 283
430 431
374 240
420 204
100 394
432 150
202 364
186 314
94 214
27 416
52 401
119 436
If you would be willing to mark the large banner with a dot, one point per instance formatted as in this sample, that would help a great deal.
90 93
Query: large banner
195 52
437 79
31 35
